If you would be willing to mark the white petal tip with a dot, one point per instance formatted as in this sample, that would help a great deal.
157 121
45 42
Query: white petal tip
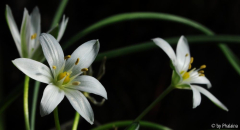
182 36
91 123
195 106
156 38
42 113
225 109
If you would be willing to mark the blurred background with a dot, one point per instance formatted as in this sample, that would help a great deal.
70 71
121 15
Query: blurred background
134 81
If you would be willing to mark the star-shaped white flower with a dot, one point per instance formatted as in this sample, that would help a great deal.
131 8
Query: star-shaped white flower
27 40
63 76
183 76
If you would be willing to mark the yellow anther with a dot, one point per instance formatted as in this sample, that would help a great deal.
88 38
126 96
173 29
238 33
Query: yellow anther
62 75
182 72
186 76
34 36
186 55
84 69
201 75
191 61
76 83
67 57
201 71
190 66
203 67
54 67
77 61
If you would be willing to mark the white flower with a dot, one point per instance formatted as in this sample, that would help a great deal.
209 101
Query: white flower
183 76
27 40
63 76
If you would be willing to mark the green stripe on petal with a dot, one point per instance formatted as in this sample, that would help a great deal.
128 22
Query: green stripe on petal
25 34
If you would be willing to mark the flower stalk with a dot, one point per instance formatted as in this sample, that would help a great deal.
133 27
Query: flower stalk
76 121
34 104
25 103
56 119
154 103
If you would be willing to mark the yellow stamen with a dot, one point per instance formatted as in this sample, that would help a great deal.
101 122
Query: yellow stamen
203 67
190 66
186 76
182 72
186 55
201 75
84 69
34 36
62 75
54 67
201 71
76 83
191 61
67 57
77 61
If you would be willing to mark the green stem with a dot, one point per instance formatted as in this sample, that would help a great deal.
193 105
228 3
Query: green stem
159 98
59 12
143 124
25 102
150 45
34 104
76 121
134 16
57 124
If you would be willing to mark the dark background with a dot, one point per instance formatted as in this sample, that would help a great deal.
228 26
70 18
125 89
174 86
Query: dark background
134 81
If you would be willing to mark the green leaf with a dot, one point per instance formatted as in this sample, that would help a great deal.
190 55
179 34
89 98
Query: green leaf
133 126
146 46
144 124
59 12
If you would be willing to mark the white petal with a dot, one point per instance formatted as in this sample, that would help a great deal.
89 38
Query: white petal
13 28
52 96
87 53
166 48
25 34
201 80
62 28
34 69
90 85
182 50
196 96
211 97
52 51
80 104
36 25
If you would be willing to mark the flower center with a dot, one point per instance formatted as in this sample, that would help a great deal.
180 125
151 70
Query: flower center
62 75
185 75
188 73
